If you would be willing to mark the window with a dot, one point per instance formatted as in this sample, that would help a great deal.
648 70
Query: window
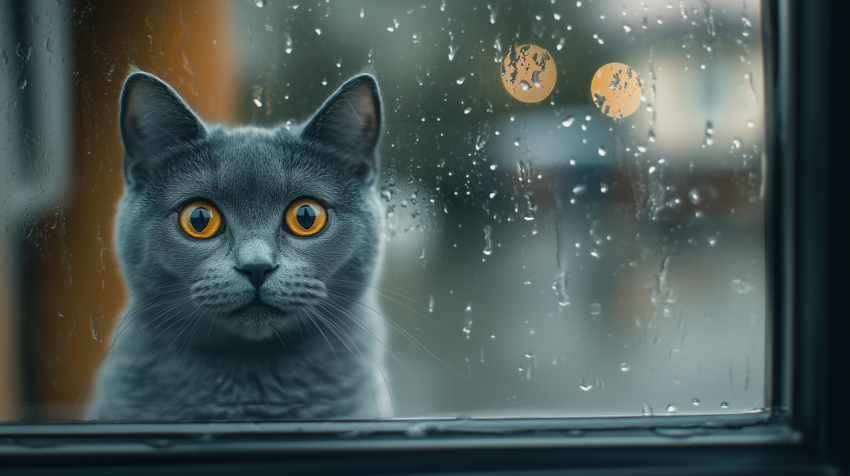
599 250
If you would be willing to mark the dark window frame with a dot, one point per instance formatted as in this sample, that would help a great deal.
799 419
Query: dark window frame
805 431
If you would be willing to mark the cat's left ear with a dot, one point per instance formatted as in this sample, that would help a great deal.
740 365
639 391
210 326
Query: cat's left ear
350 122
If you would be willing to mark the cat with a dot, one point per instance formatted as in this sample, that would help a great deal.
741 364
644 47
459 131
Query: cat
249 254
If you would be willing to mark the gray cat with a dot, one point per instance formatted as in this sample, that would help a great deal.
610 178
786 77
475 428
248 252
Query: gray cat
249 254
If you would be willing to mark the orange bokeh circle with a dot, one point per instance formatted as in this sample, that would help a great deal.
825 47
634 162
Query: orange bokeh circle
616 89
529 73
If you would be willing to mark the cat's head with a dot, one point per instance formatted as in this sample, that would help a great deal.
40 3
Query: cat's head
247 230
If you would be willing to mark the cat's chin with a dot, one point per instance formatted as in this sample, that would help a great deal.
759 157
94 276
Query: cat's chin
259 321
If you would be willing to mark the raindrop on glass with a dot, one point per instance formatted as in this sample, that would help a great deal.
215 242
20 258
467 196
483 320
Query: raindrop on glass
741 285
467 320
695 196
595 308
488 244
560 286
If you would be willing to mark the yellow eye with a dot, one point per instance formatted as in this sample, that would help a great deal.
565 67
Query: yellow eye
200 220
305 217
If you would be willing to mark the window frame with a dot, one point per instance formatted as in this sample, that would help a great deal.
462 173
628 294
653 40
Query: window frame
801 433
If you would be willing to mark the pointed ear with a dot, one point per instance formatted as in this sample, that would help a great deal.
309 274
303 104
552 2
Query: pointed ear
154 120
350 122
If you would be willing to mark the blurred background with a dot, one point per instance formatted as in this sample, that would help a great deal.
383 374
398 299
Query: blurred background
546 259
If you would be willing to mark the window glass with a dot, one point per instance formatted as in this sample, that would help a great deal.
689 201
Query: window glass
572 192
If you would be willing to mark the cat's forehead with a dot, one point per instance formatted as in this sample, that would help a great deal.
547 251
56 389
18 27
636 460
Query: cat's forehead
250 164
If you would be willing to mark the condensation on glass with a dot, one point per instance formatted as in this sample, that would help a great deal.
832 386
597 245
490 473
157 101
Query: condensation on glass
553 260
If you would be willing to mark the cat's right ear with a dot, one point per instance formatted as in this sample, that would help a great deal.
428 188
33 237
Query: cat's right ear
154 120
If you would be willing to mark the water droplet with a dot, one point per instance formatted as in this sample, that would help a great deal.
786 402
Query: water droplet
460 80
22 83
586 386
525 85
557 16
724 405
712 241
488 244
695 402
695 197
751 124
736 143
430 303
671 408
595 308
741 285
493 167
579 189
627 28
568 121
258 102
647 410
362 13
560 286
602 151
530 207
318 31
452 52
260 3
624 367
708 139
603 187
467 320
467 110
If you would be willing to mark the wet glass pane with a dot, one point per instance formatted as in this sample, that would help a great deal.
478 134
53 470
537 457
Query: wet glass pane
571 211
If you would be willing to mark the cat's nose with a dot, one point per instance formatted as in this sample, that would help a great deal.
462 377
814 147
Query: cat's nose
256 272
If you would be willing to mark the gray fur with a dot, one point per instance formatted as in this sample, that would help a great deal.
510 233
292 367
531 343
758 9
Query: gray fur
195 343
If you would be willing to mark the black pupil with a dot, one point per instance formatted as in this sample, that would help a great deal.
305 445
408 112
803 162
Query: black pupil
306 216
200 218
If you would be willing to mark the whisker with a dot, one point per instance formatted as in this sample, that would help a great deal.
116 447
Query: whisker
190 335
125 321
183 329
375 291
413 339
341 373
330 324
